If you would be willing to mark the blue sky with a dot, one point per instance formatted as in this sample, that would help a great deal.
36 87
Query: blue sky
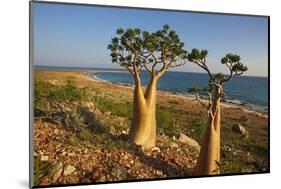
71 35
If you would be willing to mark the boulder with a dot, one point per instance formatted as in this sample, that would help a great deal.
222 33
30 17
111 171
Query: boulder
189 141
68 170
238 128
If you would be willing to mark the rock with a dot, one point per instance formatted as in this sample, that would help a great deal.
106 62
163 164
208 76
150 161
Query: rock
107 113
95 175
238 128
102 179
120 173
54 82
71 154
68 170
56 171
44 158
56 131
155 149
86 180
89 105
43 136
189 141
227 148
120 120
44 182
174 145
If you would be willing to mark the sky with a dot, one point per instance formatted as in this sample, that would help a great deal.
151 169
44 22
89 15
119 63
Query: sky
77 36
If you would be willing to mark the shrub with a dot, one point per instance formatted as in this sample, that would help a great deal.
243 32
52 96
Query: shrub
117 108
73 119
196 127
61 93
41 169
165 124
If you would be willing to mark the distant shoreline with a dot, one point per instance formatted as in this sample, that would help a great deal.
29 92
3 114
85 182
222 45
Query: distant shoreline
58 68
83 73
224 103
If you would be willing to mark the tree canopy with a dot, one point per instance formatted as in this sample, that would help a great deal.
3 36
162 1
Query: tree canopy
232 62
138 50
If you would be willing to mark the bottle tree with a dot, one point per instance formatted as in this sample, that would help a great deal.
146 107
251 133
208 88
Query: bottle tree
209 156
154 53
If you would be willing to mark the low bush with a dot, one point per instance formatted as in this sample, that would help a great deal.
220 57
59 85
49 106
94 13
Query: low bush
62 93
119 109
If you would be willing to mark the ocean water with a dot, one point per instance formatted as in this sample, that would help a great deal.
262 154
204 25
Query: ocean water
245 90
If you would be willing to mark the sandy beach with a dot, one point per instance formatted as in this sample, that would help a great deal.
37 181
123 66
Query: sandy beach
82 75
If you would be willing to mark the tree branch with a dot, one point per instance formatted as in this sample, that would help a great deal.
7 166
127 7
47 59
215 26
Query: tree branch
147 68
162 70
202 64
210 98
199 100
230 70
135 71
177 65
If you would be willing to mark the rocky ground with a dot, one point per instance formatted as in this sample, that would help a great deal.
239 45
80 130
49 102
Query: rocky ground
68 159
81 134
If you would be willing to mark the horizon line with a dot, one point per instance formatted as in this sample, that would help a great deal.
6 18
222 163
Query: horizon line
121 68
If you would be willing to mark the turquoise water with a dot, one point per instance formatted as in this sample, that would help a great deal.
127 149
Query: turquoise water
244 90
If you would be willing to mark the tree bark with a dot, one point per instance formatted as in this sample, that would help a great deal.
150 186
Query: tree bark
143 128
218 123
209 155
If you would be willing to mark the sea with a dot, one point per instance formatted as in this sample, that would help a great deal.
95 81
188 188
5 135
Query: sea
248 91
243 90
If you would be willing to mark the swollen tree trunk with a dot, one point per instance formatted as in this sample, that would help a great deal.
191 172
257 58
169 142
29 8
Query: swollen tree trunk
209 155
218 125
143 128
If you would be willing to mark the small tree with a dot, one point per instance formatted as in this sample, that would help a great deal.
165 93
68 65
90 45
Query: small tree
143 51
209 156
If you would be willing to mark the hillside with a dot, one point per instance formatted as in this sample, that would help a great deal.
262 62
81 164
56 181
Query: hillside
81 134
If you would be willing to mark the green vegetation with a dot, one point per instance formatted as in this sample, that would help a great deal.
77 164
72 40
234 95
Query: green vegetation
41 169
137 51
196 127
62 93
60 104
119 109
65 105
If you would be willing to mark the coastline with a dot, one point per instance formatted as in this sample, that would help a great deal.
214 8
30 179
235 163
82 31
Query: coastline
83 75
225 104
